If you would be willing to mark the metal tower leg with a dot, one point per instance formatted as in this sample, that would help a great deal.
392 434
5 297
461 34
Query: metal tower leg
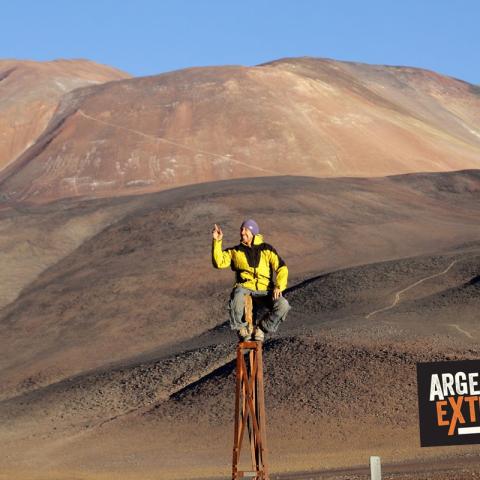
250 412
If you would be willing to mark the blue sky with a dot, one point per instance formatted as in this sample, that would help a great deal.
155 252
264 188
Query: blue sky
146 37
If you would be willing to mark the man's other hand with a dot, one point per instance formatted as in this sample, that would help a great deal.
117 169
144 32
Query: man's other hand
217 232
276 293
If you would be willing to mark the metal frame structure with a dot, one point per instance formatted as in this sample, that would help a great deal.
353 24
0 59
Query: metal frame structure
250 412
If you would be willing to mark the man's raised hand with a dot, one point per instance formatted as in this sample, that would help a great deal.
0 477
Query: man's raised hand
217 232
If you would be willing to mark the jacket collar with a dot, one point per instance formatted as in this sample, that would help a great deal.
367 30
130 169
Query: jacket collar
257 240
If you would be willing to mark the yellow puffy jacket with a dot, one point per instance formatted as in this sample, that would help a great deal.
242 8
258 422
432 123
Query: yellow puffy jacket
254 266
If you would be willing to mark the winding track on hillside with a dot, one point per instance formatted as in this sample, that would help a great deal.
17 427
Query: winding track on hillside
181 145
461 330
418 282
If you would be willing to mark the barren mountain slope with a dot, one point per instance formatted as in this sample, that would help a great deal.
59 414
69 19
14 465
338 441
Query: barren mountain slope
30 92
31 240
302 116
339 386
146 282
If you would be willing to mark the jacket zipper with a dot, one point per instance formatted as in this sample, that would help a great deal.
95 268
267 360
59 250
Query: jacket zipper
257 262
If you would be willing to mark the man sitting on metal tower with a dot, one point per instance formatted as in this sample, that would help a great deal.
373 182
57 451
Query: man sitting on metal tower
260 272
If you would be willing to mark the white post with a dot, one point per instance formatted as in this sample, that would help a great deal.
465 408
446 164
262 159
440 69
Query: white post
375 468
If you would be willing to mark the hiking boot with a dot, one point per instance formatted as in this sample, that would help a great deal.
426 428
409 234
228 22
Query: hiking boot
259 335
245 333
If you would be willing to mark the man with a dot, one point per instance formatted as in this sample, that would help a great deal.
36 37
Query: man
254 263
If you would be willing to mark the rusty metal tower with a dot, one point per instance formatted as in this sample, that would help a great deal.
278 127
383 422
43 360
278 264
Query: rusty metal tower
250 408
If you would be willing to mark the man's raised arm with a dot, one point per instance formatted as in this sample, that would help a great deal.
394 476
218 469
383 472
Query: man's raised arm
220 259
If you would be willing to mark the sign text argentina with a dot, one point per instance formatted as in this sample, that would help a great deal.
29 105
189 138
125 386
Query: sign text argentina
449 402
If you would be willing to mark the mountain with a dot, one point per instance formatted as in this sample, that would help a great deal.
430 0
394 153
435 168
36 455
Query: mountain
116 357
300 116
119 289
124 342
30 93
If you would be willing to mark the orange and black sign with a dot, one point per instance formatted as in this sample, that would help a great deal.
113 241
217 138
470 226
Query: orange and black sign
449 402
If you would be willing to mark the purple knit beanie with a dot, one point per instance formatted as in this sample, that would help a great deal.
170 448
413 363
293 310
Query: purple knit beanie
251 225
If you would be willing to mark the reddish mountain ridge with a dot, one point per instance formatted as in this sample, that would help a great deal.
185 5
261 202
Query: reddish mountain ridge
302 116
30 92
